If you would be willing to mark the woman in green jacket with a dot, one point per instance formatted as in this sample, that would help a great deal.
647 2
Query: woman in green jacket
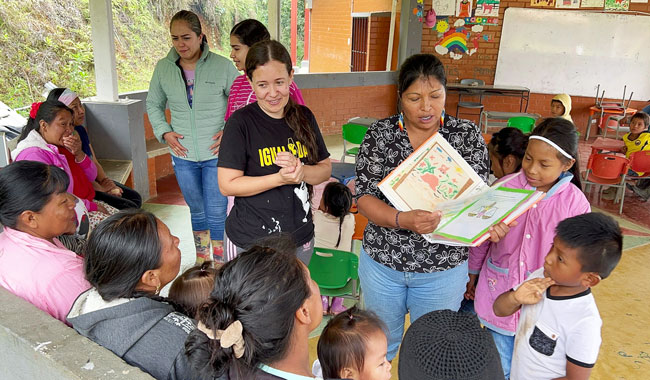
195 84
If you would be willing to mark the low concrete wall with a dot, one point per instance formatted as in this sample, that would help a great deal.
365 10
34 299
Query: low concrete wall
34 345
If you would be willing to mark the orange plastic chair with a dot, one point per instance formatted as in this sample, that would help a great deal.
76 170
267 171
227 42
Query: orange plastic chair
360 223
640 163
609 170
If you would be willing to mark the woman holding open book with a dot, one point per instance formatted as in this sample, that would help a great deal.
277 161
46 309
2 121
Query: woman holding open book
401 272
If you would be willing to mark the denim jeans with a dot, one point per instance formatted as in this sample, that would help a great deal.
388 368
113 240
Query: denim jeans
505 345
391 294
200 188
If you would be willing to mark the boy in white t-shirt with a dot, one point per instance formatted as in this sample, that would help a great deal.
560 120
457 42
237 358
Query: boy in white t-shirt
559 328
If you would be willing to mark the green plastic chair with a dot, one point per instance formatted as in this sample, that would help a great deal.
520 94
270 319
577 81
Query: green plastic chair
336 272
522 123
353 134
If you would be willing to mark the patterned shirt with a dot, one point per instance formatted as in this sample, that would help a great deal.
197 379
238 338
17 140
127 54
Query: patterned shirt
383 149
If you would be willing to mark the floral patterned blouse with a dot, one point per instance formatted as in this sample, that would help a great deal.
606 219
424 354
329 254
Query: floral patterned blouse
382 150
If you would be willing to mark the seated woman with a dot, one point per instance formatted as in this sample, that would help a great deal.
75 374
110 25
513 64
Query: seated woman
34 209
130 256
256 324
47 138
113 193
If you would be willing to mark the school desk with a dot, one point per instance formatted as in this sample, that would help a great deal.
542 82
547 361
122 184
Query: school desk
602 144
606 111
523 93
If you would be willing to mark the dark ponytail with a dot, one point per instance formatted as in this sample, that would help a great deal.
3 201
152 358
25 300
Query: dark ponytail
261 53
250 31
262 289
47 112
337 199
509 141
563 133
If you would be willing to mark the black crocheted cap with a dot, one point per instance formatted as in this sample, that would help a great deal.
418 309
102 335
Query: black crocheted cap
446 345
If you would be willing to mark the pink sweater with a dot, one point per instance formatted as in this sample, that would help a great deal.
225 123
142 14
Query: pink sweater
507 263
45 274
241 95
35 148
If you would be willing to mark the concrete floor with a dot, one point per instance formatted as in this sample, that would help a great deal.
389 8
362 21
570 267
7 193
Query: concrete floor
622 298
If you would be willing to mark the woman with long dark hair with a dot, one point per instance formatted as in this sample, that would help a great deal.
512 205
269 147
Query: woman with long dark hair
256 323
128 259
195 84
272 153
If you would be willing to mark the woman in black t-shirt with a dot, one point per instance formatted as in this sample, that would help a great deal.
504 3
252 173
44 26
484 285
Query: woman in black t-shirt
272 152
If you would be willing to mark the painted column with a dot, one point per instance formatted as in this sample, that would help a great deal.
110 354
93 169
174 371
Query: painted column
101 23
410 32
274 19
294 31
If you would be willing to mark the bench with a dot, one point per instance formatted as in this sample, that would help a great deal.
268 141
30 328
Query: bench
498 119
117 170
33 345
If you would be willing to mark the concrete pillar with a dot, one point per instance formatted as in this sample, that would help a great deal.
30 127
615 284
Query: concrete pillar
274 19
117 132
101 23
410 32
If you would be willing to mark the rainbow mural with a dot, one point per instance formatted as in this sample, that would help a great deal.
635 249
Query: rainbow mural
454 41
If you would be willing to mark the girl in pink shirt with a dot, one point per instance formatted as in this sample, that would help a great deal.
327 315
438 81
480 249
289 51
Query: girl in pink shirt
242 36
34 265
549 165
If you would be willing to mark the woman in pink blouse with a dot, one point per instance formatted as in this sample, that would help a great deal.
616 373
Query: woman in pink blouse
34 209
242 36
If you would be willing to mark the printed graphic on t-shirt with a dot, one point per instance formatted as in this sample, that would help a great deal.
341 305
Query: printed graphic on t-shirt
190 90
267 154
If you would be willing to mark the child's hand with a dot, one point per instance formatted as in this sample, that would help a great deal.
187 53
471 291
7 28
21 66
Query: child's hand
499 230
471 287
531 291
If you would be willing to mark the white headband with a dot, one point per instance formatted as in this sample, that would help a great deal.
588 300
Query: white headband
554 145
68 96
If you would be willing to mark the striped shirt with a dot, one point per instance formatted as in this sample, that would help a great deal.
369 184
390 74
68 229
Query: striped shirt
241 94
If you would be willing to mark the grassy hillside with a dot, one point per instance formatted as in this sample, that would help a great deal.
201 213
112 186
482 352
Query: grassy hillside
50 40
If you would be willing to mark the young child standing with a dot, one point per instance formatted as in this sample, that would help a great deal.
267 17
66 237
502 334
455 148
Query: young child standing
638 139
549 165
559 333
561 106
333 228
353 346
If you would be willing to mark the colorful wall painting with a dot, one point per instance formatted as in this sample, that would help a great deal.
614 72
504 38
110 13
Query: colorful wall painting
488 8
444 7
617 5
567 3
542 3
418 11
592 3
464 8
482 20
459 40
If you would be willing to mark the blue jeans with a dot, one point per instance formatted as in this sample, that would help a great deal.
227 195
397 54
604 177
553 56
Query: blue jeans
391 294
200 188
505 345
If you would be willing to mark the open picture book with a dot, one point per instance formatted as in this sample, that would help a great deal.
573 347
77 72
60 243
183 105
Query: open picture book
436 177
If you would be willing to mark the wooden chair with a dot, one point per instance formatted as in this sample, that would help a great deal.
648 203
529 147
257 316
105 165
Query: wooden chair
607 170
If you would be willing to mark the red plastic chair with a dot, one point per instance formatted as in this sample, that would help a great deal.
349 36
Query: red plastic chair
609 170
640 163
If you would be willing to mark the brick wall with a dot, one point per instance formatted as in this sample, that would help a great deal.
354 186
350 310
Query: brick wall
482 65
378 35
334 106
331 34
361 6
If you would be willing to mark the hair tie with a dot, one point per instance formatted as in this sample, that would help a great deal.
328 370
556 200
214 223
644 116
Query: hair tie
68 96
554 145
34 110
230 337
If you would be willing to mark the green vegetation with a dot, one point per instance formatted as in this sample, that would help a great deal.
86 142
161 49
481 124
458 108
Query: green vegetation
50 40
